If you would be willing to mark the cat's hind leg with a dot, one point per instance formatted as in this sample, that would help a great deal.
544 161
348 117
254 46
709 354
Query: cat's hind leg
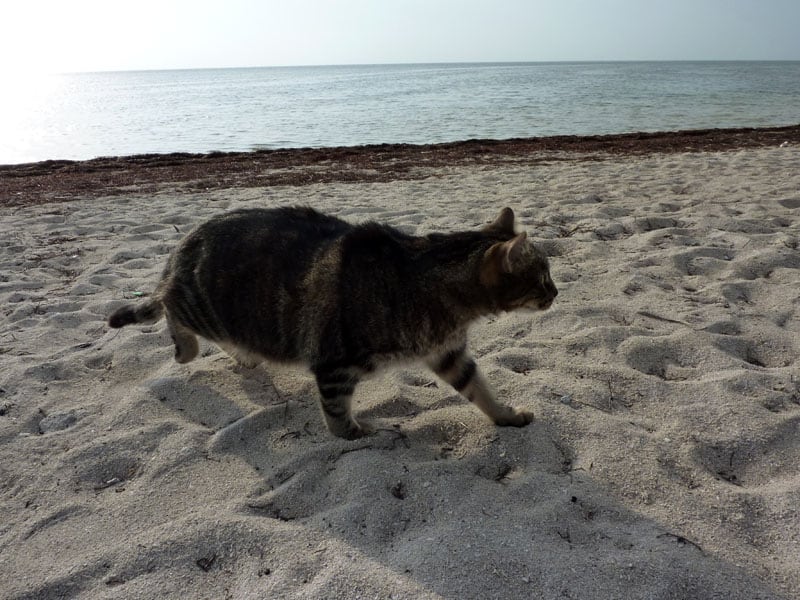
458 369
186 346
336 391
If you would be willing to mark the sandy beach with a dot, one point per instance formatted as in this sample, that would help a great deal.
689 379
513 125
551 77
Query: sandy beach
663 463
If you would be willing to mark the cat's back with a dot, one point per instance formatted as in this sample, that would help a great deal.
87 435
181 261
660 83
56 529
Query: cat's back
252 224
292 233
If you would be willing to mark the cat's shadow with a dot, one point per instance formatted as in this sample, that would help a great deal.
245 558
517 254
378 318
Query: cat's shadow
267 414
440 472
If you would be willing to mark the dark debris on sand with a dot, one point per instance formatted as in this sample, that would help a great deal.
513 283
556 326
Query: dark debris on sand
61 180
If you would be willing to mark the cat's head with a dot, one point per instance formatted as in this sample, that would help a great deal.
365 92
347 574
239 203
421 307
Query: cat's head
516 272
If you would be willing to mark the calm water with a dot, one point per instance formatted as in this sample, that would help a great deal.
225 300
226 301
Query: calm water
85 115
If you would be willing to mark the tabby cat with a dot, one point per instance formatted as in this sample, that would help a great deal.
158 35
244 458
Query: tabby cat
295 285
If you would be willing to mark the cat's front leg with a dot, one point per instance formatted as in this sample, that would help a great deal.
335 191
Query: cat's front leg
458 369
336 391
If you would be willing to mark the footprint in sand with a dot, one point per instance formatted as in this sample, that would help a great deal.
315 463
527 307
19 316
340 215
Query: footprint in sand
59 421
99 362
645 224
703 261
124 257
724 328
516 361
98 466
102 464
52 370
767 351
150 228
755 460
675 357
790 202
763 264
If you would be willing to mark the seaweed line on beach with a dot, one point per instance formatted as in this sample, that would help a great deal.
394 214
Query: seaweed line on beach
63 180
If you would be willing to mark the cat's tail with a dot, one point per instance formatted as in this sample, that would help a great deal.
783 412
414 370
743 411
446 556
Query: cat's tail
146 312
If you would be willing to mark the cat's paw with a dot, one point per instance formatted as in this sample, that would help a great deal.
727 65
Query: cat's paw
353 430
514 418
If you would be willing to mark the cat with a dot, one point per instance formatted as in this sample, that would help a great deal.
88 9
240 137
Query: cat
295 285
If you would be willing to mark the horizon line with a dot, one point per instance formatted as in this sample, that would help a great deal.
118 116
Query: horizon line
411 64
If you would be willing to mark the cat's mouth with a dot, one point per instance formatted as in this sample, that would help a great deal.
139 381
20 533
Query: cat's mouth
545 304
538 304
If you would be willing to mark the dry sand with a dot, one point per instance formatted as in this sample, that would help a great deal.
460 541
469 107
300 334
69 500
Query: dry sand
664 461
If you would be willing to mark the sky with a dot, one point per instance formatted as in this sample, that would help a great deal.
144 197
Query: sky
107 35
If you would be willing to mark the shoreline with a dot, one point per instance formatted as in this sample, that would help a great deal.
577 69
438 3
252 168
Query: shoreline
67 180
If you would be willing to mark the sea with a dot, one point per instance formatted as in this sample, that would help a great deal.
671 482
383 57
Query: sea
85 115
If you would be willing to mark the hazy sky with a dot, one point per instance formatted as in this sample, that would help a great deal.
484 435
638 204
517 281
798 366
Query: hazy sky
87 35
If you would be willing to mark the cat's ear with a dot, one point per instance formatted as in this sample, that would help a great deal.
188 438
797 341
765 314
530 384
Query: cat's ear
511 251
504 221
501 258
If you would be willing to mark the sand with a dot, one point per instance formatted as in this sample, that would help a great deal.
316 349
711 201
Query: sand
664 461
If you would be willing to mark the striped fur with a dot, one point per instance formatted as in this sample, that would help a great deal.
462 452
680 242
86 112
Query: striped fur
295 285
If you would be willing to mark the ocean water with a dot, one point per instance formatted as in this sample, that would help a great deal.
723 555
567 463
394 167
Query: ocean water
85 115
